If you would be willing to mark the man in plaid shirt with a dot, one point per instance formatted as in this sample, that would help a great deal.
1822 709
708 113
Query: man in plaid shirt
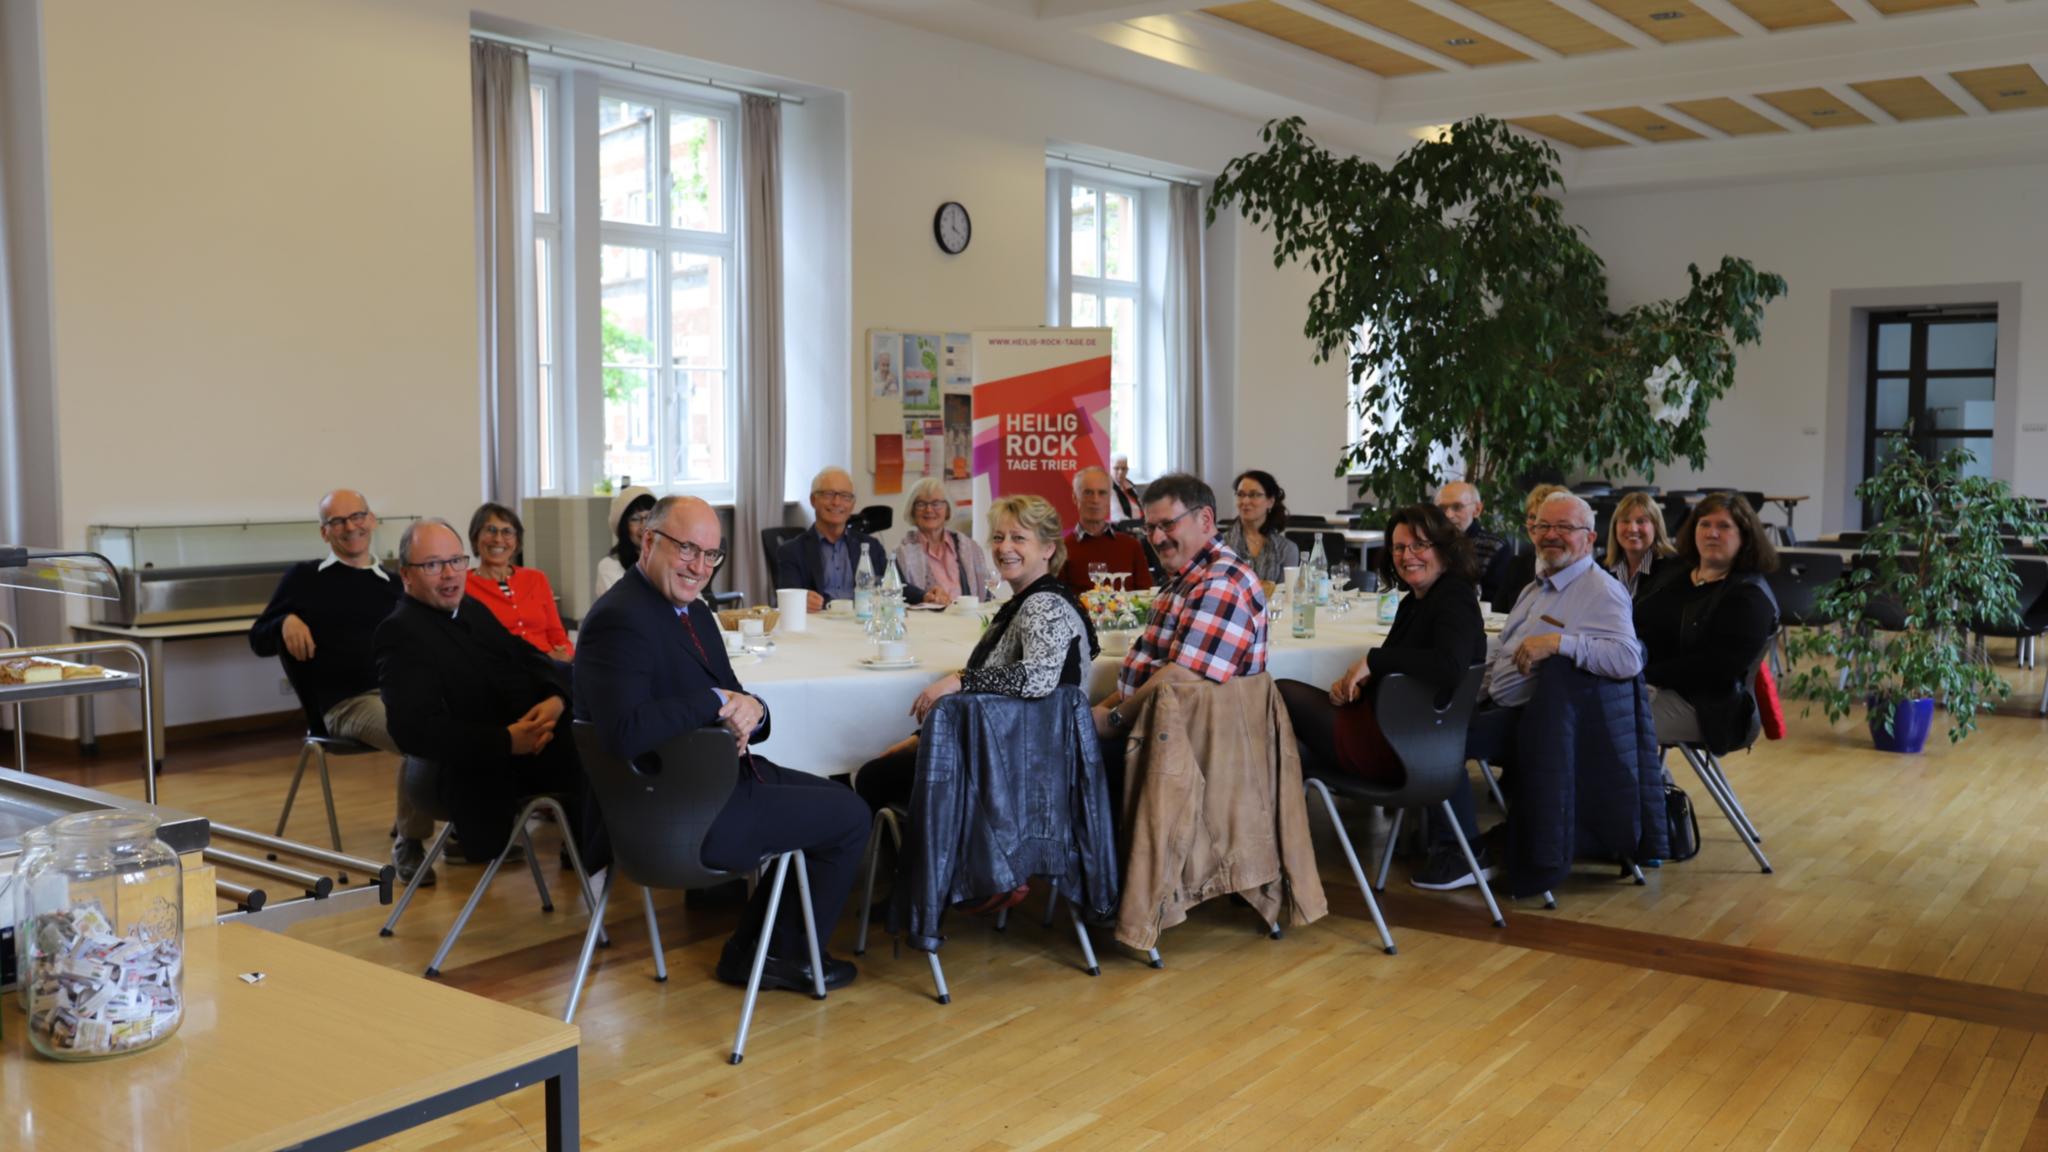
1210 618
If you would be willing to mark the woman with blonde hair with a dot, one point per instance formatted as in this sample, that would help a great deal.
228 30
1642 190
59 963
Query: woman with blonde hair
945 563
1039 640
1521 571
1636 540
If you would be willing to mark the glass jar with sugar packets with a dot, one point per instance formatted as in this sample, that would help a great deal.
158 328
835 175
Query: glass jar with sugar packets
101 937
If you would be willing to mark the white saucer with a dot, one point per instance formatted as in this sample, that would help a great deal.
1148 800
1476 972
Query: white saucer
765 648
869 662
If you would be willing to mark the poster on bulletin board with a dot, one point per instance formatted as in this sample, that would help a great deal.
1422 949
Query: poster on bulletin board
918 386
1041 412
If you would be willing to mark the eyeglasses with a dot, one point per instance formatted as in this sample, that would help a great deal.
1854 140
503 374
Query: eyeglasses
639 519
352 520
1411 549
930 506
498 530
834 497
690 553
436 567
1162 527
1544 528
1253 494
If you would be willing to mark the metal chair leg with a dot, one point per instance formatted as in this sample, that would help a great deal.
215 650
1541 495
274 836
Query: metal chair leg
547 902
590 949
1472 862
327 794
803 895
1153 958
1493 786
412 885
476 896
1002 919
739 1040
1713 764
1715 792
1387 857
1052 903
291 794
653 929
939 978
1357 871
885 819
1081 934
604 939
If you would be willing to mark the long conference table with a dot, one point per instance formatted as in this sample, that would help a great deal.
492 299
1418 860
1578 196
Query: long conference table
831 714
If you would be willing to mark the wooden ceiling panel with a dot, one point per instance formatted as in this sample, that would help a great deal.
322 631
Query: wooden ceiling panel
1815 106
1729 116
1568 132
2005 89
1548 25
1431 31
1308 32
1646 124
1908 98
1657 18
1780 15
1895 7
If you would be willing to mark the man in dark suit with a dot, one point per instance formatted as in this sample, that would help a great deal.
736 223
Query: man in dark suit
650 665
481 703
824 559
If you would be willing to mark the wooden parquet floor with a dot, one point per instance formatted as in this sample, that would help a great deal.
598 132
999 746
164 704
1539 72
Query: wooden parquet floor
1886 988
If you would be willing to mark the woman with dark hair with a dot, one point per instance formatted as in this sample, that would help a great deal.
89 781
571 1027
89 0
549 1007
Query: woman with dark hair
1260 535
629 512
1438 633
519 597
1705 626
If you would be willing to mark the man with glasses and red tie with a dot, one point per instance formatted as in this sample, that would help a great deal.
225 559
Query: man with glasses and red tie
650 666
483 705
322 618
824 559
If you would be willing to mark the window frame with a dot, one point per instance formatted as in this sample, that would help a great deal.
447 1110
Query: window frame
1150 402
550 439
1916 374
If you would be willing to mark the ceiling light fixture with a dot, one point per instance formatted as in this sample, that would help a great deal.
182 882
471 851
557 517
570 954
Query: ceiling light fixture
1667 15
2009 93
1822 112
1461 42
1653 127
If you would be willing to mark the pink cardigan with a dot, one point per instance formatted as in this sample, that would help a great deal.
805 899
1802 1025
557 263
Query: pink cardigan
529 612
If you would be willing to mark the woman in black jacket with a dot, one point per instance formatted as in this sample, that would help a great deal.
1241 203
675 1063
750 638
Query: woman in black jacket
1438 633
1704 626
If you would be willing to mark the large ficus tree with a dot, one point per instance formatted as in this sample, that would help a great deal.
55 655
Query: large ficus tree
1483 315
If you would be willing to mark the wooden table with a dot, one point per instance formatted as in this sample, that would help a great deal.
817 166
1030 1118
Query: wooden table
326 1052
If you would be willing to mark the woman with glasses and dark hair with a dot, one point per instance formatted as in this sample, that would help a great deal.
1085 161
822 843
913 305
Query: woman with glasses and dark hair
628 518
1259 536
946 564
1636 540
1438 633
1704 626
520 598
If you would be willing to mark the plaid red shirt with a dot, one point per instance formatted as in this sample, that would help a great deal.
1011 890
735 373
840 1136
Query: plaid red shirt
1210 618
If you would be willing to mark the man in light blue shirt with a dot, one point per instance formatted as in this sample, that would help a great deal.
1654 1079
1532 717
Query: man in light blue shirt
1573 609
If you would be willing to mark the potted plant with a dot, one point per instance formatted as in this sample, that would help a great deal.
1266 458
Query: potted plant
1476 319
1903 615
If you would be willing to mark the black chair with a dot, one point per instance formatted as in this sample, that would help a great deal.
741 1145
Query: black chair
1795 585
1430 743
1336 549
2032 621
421 780
317 746
1707 766
1591 488
873 518
658 817
772 540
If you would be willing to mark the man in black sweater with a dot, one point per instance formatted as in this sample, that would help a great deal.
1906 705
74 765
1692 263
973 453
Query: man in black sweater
1460 504
321 622
485 706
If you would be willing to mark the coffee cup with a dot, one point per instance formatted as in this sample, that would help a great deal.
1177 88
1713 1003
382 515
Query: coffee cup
1289 575
791 602
751 631
733 641
893 651
838 607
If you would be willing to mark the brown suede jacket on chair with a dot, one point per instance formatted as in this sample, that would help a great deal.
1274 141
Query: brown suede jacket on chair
1213 804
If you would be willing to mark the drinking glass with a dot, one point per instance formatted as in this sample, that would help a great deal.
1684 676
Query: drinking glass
1098 575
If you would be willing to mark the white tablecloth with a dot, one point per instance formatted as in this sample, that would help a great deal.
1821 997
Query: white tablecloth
831 715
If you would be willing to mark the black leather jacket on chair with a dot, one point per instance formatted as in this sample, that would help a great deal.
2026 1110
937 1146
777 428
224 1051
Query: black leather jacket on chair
1007 789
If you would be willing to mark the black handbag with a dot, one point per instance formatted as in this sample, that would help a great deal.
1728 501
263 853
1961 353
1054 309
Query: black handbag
1683 822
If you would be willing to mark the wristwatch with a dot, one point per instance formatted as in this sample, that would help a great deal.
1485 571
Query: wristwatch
1116 719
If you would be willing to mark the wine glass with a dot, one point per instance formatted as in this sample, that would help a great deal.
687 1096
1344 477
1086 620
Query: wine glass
1098 575
1117 579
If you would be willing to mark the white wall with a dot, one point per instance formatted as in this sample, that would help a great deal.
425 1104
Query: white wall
263 242
1922 230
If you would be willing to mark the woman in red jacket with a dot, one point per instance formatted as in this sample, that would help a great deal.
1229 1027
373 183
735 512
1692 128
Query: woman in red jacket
520 598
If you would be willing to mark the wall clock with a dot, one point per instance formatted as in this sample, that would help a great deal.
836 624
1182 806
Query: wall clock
951 227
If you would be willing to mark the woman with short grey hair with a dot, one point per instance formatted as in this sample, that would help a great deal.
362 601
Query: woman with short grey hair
946 564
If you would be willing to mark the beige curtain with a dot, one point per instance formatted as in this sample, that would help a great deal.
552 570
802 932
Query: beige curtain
502 128
1184 327
761 393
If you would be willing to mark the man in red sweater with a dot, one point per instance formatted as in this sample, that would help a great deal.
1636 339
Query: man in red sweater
1093 541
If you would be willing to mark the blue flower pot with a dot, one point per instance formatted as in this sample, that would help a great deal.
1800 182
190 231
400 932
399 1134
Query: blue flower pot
1909 729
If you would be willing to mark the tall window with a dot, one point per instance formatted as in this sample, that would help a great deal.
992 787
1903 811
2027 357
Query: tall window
1937 371
1107 274
654 251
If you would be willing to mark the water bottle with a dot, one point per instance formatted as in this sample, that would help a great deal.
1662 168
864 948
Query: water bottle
889 610
1318 567
1390 602
864 589
1304 605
